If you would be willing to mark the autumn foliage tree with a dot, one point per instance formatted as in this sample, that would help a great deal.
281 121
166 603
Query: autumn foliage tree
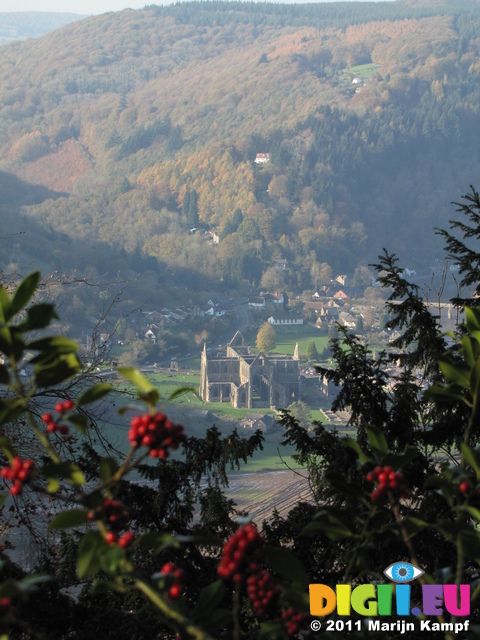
266 338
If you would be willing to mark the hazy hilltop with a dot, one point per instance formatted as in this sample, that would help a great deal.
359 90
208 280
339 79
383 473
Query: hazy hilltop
146 123
31 24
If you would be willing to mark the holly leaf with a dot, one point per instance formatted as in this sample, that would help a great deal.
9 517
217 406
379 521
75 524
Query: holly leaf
88 562
108 468
209 598
69 519
93 394
145 389
24 292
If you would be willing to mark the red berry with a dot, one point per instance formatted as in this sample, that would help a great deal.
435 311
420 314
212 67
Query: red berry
175 591
16 489
168 568
127 539
111 537
464 487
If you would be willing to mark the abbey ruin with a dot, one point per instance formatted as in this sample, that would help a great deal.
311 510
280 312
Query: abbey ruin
250 380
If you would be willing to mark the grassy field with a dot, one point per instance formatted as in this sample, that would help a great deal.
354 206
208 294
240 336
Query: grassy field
287 337
167 383
363 71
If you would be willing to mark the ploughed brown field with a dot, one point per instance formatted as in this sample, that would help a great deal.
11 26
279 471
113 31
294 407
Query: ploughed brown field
261 492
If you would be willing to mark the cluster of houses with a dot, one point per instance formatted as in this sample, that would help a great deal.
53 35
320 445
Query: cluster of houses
148 323
329 304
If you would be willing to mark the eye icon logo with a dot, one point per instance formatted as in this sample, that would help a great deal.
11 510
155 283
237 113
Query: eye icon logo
403 572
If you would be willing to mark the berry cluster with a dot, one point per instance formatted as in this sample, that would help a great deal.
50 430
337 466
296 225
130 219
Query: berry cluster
174 580
19 472
390 484
294 620
262 592
112 512
157 433
241 553
61 408
124 541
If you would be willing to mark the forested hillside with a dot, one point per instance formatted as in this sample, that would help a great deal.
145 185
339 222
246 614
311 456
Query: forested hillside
140 125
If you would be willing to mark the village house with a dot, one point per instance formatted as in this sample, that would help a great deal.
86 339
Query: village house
346 319
257 303
325 292
215 311
340 295
280 264
149 335
327 316
262 158
256 421
317 307
274 298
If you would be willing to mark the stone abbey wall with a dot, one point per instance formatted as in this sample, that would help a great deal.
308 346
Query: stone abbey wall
248 380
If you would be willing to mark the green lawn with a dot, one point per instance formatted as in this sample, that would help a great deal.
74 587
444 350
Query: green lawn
318 416
167 383
364 71
286 339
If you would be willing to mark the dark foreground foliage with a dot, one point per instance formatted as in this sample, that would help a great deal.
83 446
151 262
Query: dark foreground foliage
162 554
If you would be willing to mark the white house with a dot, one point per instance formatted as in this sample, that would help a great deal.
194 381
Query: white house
262 158
284 320
218 313
257 303
149 335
